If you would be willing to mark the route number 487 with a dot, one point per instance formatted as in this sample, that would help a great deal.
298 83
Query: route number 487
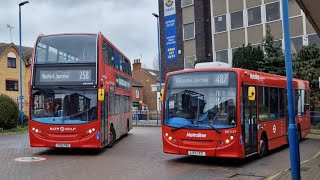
222 79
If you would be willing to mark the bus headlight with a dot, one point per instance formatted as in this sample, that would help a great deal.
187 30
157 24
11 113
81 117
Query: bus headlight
231 137
36 130
166 134
227 141
170 138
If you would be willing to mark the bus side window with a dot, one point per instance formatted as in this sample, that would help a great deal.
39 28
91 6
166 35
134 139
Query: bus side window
105 52
110 56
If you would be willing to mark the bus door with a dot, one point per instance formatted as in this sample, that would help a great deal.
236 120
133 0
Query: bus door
122 119
104 121
249 121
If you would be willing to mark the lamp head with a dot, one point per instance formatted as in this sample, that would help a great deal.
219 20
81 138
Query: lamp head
155 15
23 3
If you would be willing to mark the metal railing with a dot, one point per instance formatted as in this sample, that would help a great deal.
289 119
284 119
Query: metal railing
146 117
315 117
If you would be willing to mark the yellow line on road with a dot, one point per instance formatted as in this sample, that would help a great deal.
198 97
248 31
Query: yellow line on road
278 173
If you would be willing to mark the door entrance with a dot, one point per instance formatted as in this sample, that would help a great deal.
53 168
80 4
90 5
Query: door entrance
104 121
249 123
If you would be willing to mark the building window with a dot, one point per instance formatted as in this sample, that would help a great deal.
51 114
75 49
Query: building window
273 11
254 16
185 3
258 46
314 39
189 62
11 62
188 31
296 44
236 20
137 93
222 56
11 85
234 50
220 23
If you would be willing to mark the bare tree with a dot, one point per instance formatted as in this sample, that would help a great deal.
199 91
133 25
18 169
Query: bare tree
144 66
155 63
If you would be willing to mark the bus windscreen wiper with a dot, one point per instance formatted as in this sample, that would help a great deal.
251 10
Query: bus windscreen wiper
180 127
210 126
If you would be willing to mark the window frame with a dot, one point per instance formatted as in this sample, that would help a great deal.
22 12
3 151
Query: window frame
308 35
137 93
214 24
241 18
187 5
280 14
221 51
194 31
11 84
11 59
294 37
184 60
252 25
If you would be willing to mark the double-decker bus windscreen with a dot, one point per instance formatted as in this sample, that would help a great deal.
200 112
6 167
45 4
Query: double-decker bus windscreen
66 49
201 100
64 106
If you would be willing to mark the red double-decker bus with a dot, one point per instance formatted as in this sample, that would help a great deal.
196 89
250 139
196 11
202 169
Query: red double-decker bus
229 112
80 93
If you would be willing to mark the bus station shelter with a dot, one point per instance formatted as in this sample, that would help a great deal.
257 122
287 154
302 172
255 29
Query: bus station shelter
311 10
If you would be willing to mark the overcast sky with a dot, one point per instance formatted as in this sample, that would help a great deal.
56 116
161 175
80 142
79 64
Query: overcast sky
128 24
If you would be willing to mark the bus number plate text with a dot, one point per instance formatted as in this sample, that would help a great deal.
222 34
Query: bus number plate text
63 145
197 153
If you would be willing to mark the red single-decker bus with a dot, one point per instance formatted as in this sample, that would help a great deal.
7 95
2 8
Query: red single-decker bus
218 111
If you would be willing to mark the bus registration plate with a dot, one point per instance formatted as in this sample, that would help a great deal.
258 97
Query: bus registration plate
197 153
63 145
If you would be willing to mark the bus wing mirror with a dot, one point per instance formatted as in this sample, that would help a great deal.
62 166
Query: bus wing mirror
251 93
101 94
161 94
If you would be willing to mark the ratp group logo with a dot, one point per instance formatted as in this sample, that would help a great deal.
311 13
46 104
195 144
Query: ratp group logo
169 3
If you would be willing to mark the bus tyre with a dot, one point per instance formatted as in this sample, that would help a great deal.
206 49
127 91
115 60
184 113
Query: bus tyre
112 137
263 147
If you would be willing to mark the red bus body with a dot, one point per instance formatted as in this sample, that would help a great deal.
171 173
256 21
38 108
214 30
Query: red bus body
109 117
245 138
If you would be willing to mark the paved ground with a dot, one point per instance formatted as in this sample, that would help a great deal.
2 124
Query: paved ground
136 156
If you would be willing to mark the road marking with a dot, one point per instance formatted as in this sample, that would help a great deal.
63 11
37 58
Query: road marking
278 173
30 159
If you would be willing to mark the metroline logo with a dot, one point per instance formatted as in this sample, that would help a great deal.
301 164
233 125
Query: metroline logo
198 135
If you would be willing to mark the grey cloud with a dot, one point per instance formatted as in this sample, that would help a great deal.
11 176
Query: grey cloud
127 23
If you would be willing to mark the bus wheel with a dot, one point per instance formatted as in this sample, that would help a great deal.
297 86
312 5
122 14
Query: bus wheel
263 146
112 137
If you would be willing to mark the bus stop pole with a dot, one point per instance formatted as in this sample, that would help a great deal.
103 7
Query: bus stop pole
293 135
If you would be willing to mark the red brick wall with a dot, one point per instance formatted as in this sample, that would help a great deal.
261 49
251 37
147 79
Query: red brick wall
149 97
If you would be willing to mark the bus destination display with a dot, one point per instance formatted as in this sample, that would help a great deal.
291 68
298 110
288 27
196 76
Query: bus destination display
201 80
65 76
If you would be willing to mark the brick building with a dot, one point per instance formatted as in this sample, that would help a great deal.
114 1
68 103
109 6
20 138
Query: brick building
214 29
145 78
10 72
137 95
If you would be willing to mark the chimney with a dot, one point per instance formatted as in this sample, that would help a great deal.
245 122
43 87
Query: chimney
136 64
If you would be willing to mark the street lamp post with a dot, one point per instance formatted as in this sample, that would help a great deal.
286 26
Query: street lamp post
292 129
20 52
159 53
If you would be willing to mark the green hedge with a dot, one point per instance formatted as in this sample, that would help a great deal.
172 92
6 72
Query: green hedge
9 112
